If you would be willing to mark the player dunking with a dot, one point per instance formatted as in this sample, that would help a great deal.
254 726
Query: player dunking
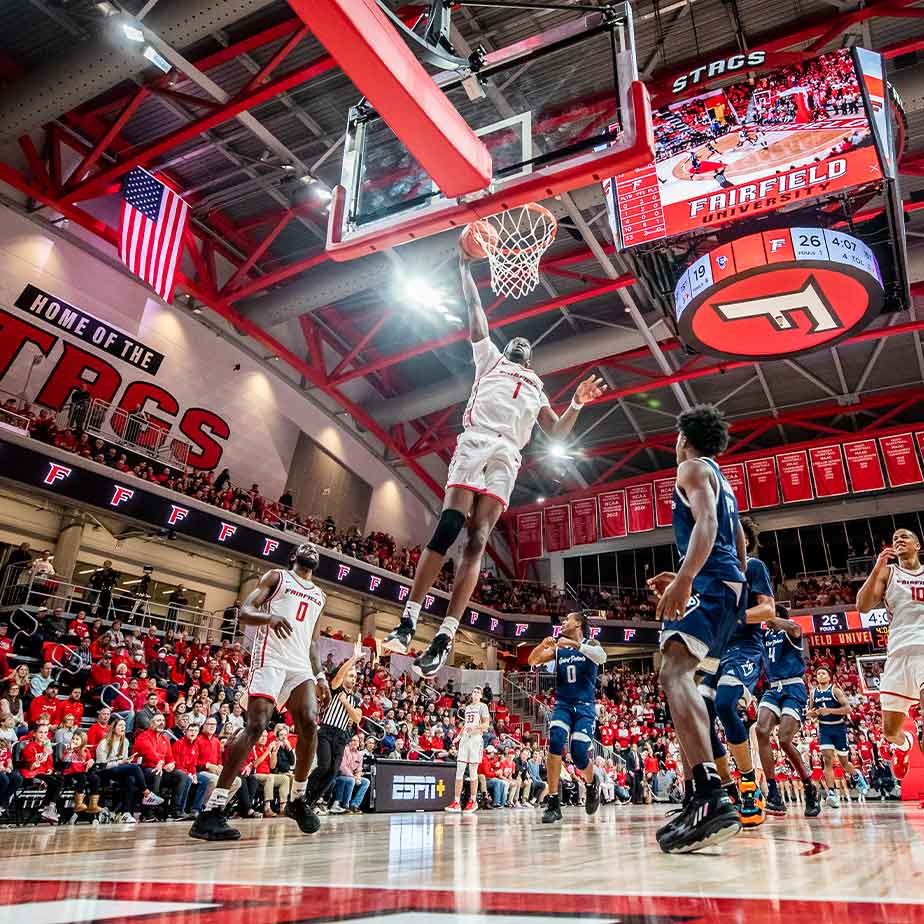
701 605
471 748
506 402
783 705
900 585
576 658
285 669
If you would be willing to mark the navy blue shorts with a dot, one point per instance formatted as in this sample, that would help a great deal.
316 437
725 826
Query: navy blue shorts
786 699
709 621
576 718
833 737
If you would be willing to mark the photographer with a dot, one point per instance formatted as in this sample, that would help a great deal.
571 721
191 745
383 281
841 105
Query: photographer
102 581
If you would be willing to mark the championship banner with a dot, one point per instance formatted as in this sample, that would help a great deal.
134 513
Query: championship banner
584 521
919 436
901 461
613 515
734 475
664 501
640 504
557 528
529 535
828 471
863 466
794 477
762 484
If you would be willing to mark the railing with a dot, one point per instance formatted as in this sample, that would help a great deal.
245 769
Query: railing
135 432
520 696
11 419
25 591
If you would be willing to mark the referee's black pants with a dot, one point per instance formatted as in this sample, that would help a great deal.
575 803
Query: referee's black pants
332 743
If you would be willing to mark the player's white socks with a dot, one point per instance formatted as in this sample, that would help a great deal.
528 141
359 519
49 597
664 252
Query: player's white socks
299 789
448 627
412 612
218 799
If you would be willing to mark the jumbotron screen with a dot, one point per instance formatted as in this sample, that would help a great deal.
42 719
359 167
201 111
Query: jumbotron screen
794 134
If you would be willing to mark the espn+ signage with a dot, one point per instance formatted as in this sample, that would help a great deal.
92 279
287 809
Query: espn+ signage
412 786
778 293
107 361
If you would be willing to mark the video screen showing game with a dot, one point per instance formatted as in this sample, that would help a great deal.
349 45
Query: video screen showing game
793 134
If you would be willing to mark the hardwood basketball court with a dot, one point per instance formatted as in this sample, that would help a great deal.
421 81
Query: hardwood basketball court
863 862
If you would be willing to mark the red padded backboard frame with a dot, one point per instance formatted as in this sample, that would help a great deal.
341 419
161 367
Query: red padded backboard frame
381 65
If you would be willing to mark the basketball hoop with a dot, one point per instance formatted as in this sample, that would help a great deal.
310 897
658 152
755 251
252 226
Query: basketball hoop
514 242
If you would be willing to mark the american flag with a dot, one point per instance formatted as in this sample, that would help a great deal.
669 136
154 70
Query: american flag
152 223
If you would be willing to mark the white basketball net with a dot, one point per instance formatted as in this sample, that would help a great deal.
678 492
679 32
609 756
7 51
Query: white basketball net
514 242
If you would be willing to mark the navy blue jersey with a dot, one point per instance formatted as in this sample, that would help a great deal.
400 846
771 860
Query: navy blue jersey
750 635
722 563
575 677
825 699
784 655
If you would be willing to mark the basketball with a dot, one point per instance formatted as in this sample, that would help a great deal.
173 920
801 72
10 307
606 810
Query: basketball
474 238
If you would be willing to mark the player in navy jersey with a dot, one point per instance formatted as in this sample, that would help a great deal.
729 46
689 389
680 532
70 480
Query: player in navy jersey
783 705
829 708
700 605
576 658
736 679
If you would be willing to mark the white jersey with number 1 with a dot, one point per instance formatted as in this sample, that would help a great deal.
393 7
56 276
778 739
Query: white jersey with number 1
506 397
300 603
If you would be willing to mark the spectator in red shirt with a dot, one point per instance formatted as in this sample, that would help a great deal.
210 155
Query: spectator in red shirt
159 765
97 731
187 757
6 643
101 673
72 706
210 753
79 625
10 779
47 703
38 766
76 763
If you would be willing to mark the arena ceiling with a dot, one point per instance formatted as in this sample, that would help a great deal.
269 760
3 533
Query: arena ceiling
253 102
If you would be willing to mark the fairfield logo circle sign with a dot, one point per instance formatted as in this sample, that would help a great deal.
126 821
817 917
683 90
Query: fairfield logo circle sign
778 293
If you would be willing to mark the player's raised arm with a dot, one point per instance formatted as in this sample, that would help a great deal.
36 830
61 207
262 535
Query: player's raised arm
477 319
870 595
784 623
557 427
696 484
252 613
543 652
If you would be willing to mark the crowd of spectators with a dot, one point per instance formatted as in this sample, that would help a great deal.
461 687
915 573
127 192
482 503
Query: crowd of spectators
829 590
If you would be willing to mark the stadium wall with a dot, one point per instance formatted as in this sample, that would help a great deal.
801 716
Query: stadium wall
247 419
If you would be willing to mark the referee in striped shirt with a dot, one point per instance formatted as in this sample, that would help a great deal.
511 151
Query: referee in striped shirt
335 729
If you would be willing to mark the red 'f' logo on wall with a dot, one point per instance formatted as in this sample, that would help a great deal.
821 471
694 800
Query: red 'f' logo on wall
520 629
594 631
628 635
494 623
57 473
556 631
342 572
429 601
120 494
269 546
177 514
403 592
227 530
374 582
472 617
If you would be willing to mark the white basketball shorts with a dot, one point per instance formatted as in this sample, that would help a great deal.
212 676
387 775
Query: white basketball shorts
485 464
902 680
275 683
471 749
